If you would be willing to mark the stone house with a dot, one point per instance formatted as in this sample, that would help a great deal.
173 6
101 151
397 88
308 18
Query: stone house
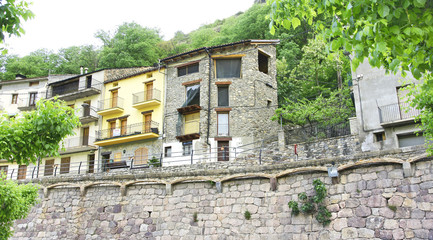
384 120
131 118
218 98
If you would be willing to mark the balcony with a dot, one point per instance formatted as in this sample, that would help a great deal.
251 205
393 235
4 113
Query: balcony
397 114
190 130
78 144
75 89
110 106
131 132
28 102
87 115
149 98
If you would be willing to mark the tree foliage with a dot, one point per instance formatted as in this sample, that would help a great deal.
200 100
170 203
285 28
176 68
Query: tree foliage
394 34
13 12
37 133
131 45
16 200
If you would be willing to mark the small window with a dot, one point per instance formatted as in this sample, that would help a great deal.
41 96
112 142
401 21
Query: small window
3 170
408 140
193 95
187 147
64 165
115 84
228 68
32 99
263 62
71 106
223 124
14 99
380 136
22 171
192 68
31 84
149 75
167 152
223 96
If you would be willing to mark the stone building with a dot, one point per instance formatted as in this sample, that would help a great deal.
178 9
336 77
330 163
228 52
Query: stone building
131 118
384 120
218 98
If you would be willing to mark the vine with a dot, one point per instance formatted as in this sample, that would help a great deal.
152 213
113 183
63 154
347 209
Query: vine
313 204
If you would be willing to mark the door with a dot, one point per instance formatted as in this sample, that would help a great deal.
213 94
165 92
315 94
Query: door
86 109
123 127
147 123
49 167
112 127
149 91
22 170
114 95
85 136
223 151
64 165
89 81
91 162
140 156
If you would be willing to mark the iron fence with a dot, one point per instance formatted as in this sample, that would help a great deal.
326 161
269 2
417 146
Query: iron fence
396 112
130 129
151 94
73 87
315 132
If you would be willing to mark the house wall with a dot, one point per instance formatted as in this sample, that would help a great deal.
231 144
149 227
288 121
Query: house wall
371 91
252 100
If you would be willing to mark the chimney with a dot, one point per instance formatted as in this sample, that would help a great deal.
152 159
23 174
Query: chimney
81 70
85 70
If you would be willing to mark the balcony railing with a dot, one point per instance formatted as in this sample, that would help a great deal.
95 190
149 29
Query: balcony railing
397 112
28 102
78 142
87 114
128 130
70 91
151 94
109 103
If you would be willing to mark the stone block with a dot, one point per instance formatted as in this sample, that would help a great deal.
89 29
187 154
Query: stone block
349 233
362 211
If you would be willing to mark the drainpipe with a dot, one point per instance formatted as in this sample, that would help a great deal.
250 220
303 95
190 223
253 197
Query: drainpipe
208 103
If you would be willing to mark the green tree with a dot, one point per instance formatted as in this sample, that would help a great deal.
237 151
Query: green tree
394 34
12 14
36 134
131 45
72 58
16 201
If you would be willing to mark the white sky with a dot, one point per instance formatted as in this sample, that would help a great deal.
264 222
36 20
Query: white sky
64 23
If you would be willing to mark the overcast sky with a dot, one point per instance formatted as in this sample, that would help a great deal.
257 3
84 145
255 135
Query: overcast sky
64 23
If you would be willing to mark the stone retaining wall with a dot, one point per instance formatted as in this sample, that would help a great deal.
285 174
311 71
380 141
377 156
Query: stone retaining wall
152 205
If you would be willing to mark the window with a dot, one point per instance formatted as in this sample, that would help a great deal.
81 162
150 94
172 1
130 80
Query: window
64 165
193 95
14 99
71 106
192 68
141 155
112 127
86 108
117 157
223 124
22 171
263 62
380 136
123 127
31 84
147 127
228 68
167 152
3 170
85 140
223 151
49 167
91 163
192 123
89 81
412 139
223 96
32 99
187 147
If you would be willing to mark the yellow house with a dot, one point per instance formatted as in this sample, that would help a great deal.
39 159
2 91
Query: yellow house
132 118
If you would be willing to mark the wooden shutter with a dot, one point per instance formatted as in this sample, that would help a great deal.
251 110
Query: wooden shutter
147 123
22 170
85 136
114 95
117 157
64 165
49 167
149 91
123 125
141 155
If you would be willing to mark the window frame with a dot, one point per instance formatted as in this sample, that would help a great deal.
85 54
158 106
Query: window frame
166 152
14 98
219 96
230 58
189 69
218 124
187 148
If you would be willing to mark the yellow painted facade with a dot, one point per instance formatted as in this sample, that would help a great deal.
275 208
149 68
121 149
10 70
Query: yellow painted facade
132 108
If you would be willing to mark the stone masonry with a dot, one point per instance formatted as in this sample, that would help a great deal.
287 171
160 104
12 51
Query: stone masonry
374 198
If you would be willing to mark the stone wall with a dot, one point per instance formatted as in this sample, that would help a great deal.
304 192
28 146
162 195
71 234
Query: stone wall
376 197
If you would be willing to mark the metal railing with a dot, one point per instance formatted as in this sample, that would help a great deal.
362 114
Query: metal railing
78 142
151 94
84 112
68 88
110 103
396 112
130 129
314 132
